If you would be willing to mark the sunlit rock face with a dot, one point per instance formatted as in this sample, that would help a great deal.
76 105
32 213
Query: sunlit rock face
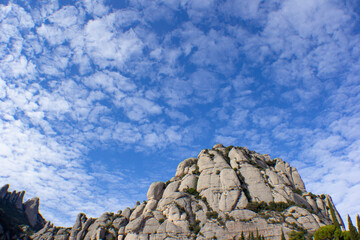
224 192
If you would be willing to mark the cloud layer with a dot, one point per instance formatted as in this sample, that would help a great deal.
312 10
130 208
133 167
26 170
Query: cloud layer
97 100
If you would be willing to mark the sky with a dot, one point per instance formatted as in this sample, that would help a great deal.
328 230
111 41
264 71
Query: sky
100 98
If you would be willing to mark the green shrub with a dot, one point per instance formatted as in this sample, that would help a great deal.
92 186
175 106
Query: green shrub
212 215
271 163
296 190
257 206
192 191
325 232
295 235
217 172
280 206
272 206
161 220
167 183
196 171
228 217
313 196
227 150
255 164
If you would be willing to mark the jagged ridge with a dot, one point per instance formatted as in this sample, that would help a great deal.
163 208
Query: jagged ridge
221 193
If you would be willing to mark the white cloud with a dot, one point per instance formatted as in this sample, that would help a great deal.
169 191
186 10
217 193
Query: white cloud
177 115
138 109
108 48
284 80
243 9
65 17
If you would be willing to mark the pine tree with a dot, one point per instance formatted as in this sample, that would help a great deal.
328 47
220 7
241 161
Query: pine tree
333 216
358 223
251 236
354 235
282 235
257 235
242 237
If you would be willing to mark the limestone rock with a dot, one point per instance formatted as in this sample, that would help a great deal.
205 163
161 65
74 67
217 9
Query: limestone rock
155 190
183 167
171 189
79 223
189 181
126 213
120 222
100 233
137 211
298 182
219 145
32 210
134 225
259 191
243 215
150 226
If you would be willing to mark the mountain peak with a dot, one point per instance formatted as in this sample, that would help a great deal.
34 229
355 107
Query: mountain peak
223 193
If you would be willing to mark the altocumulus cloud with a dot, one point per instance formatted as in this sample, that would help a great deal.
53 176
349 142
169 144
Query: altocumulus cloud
98 99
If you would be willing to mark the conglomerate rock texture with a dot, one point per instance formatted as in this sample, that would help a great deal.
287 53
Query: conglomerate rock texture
224 192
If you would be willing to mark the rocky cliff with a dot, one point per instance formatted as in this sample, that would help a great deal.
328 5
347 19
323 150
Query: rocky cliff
224 192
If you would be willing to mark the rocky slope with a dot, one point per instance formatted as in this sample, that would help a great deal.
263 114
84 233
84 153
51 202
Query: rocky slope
218 195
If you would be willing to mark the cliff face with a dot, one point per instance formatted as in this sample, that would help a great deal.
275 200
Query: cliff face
221 193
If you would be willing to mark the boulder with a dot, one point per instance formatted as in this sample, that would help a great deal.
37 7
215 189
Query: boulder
119 222
243 215
150 226
219 145
183 167
189 181
155 190
126 213
171 189
298 182
100 233
134 225
79 223
32 210
237 156
259 191
137 212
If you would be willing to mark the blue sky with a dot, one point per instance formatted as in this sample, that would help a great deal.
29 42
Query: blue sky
100 98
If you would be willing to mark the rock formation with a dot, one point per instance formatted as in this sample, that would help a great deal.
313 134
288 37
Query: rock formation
224 192
18 219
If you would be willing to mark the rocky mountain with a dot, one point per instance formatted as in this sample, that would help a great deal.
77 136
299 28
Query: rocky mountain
223 193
